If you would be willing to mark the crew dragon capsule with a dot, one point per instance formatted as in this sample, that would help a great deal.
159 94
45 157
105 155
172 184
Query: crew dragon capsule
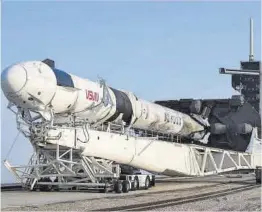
40 87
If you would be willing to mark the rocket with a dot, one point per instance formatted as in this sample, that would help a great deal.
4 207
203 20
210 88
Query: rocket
42 88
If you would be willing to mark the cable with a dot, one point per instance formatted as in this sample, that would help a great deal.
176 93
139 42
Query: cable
12 144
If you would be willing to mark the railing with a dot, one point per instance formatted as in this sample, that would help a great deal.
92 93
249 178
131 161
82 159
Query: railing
133 132
28 123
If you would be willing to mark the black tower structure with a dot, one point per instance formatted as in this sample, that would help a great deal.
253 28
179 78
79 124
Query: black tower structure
231 120
246 81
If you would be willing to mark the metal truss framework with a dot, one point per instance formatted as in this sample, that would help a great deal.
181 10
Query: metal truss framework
64 167
213 161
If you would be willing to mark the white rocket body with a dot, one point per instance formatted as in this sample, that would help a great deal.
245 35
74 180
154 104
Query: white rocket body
36 86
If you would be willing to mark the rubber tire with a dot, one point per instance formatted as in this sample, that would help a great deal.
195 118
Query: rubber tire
153 182
126 186
45 188
74 188
105 189
56 187
118 187
135 184
147 182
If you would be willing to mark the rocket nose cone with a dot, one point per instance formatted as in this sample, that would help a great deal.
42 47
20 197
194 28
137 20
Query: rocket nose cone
13 79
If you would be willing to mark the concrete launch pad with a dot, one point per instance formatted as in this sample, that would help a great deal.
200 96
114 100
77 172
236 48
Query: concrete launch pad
14 200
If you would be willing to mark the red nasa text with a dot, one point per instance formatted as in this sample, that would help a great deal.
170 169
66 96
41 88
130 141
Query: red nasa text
92 96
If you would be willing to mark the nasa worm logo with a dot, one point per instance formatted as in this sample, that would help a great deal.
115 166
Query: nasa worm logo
92 96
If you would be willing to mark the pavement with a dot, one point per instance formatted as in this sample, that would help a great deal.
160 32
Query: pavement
19 200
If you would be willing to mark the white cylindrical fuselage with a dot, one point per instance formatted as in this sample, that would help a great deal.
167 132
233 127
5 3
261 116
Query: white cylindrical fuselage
36 86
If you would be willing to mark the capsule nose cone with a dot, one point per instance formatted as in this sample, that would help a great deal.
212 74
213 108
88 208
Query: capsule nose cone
13 79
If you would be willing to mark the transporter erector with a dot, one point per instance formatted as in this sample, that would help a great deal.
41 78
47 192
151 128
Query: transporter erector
80 129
